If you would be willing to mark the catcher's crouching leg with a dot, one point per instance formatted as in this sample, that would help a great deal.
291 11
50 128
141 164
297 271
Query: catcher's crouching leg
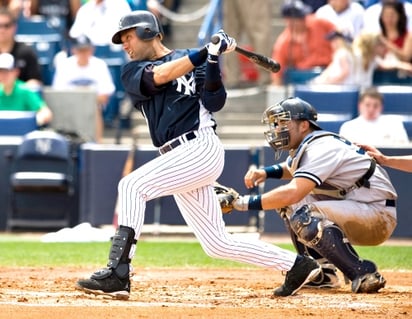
328 277
113 281
329 241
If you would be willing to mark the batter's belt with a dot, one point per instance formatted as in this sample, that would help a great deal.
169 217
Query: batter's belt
178 141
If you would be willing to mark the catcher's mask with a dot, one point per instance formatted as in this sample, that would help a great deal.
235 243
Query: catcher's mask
278 117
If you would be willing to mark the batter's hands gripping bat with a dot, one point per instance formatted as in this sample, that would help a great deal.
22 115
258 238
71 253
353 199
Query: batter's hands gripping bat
259 59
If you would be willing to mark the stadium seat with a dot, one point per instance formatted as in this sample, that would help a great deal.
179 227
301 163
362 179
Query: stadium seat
41 182
391 77
295 76
397 100
17 122
335 103
45 39
115 58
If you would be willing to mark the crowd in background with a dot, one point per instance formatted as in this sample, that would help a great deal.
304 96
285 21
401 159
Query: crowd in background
347 40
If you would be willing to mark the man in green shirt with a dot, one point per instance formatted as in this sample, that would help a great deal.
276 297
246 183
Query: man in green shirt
15 95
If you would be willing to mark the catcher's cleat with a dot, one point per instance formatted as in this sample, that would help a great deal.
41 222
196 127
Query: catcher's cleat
304 269
327 278
368 283
106 282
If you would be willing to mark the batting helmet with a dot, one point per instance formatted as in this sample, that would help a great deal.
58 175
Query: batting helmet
146 24
277 116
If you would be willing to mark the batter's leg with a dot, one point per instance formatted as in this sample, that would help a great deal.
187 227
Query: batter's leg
201 210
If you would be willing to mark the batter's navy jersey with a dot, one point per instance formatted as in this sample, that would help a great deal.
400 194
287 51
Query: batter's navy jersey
177 106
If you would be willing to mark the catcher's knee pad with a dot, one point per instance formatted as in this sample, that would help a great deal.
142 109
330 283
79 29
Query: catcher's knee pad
329 241
307 225
122 243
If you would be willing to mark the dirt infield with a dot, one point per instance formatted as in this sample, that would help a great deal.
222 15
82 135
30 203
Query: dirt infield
48 293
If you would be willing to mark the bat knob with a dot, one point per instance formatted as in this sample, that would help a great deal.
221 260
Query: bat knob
215 39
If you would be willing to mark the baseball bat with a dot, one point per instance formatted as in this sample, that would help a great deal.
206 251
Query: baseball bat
259 59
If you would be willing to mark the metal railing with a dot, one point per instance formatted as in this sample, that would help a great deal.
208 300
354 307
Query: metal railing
211 23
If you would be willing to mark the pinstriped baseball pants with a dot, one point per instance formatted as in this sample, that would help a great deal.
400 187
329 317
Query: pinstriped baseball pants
188 172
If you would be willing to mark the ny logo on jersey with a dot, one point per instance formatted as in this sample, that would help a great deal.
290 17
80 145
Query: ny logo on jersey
186 84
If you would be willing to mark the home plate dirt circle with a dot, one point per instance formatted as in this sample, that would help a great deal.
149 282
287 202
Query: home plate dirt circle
49 292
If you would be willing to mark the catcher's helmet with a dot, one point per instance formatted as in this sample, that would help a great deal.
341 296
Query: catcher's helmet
277 117
146 24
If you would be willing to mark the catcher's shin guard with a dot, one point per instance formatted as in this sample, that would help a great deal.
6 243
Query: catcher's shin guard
328 239
327 278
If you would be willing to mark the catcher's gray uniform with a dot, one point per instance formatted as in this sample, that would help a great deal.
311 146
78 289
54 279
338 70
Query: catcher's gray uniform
366 215
353 201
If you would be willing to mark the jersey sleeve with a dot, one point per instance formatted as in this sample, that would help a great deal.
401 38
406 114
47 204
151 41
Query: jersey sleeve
334 161
133 75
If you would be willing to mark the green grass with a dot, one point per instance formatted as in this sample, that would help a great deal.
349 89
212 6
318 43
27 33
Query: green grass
160 254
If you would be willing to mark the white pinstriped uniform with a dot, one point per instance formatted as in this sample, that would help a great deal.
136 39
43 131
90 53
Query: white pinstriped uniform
187 172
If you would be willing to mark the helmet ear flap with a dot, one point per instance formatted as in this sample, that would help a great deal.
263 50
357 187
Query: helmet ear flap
145 33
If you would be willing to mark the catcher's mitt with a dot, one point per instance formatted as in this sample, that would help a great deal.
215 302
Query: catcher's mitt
226 196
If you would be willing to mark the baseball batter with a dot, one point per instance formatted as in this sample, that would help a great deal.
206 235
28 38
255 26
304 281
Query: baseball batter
337 195
177 91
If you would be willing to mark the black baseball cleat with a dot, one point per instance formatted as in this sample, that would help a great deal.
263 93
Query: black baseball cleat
327 278
106 282
304 269
368 283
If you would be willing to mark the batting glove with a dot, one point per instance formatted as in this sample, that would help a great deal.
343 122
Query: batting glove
225 44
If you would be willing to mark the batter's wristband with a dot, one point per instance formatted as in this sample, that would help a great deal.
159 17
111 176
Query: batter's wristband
198 57
274 171
214 59
255 202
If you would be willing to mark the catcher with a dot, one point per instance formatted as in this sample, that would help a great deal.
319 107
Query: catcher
337 196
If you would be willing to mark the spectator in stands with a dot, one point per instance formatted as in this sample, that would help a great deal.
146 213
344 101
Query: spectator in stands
14 6
368 3
25 57
59 13
239 20
368 51
345 14
315 4
400 162
15 95
371 126
371 54
372 13
342 68
302 44
97 19
83 69
395 35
